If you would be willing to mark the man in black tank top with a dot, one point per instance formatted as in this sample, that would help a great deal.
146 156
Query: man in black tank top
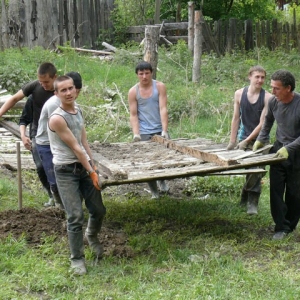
250 106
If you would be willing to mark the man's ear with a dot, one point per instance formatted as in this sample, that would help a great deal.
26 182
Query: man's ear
55 93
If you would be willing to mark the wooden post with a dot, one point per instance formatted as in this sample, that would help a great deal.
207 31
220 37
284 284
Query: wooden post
191 26
197 47
157 11
151 46
19 175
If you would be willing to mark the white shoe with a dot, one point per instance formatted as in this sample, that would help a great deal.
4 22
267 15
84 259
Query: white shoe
49 203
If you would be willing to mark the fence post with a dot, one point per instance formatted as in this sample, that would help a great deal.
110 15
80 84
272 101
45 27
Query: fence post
197 47
151 47
191 26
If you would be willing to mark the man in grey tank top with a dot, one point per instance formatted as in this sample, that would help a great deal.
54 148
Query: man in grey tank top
284 108
250 107
75 174
148 113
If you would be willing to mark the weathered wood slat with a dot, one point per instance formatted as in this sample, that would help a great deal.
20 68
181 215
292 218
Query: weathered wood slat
12 127
210 157
108 167
19 105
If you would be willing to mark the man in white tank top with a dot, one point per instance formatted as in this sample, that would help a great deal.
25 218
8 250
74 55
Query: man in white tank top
148 113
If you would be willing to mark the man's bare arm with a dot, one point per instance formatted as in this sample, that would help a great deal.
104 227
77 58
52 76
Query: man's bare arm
9 103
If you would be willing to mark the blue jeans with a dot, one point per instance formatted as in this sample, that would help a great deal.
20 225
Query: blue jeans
46 158
73 184
39 167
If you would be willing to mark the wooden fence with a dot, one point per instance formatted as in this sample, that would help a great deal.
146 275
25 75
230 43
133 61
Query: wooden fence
49 23
227 35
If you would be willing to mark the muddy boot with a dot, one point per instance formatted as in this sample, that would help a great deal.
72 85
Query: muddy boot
252 203
91 234
57 201
244 198
77 255
163 186
153 188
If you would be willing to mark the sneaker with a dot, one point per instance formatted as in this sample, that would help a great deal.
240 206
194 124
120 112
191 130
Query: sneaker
279 235
49 203
78 267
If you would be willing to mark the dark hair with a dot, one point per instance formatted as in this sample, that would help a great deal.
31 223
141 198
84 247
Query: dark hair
286 78
143 65
61 79
47 68
257 69
76 78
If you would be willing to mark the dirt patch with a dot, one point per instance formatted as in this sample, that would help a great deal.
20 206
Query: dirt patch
34 225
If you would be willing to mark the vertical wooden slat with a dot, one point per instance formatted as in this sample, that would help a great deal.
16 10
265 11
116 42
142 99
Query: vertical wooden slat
197 47
274 34
61 22
191 11
248 35
268 35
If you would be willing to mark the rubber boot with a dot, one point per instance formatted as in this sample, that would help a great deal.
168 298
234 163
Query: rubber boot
252 203
91 234
77 255
244 198
163 186
50 202
153 188
57 201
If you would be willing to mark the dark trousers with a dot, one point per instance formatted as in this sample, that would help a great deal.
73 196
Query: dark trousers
285 191
39 167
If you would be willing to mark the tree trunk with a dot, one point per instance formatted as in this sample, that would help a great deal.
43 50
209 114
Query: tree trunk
151 46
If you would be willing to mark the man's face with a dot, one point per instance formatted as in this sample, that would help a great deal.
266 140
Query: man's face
46 81
145 76
66 91
281 92
257 79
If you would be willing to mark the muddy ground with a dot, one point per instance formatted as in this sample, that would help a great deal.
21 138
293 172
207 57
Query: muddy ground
35 224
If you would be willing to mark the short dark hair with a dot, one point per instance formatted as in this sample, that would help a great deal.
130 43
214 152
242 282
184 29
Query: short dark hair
61 79
286 78
47 68
76 78
143 65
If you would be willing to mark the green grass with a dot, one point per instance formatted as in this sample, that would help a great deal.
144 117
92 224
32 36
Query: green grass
185 247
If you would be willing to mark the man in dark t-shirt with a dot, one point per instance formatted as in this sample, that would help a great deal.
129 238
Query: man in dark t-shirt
41 90
284 109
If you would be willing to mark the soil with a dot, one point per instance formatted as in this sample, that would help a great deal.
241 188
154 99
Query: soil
35 224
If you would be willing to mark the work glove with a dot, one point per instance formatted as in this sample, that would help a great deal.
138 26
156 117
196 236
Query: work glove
231 146
282 153
136 138
95 179
165 135
257 145
242 145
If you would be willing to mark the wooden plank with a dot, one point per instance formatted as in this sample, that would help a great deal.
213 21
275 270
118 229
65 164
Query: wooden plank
210 157
18 105
12 127
109 168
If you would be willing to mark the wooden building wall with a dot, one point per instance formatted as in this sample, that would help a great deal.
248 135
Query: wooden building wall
49 23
